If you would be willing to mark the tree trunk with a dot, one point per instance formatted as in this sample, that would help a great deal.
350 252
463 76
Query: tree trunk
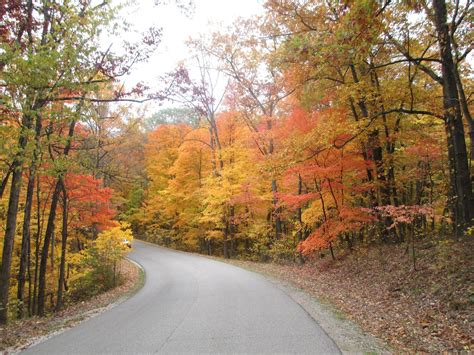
10 226
46 244
209 247
4 183
464 197
62 267
30 286
50 227
25 240
232 232
276 210
467 115
332 252
37 244
464 107
225 245
300 210
300 220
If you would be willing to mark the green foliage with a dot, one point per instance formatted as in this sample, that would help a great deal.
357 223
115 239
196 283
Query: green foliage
284 250
132 203
172 116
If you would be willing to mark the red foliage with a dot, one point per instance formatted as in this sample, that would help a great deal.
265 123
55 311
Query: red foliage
294 202
403 214
89 203
348 220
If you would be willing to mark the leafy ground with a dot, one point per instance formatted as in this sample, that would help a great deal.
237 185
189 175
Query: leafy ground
21 334
427 310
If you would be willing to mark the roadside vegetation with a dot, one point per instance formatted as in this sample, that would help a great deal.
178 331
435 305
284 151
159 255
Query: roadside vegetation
22 333
426 311
61 147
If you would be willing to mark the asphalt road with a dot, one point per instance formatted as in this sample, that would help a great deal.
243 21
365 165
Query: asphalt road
191 304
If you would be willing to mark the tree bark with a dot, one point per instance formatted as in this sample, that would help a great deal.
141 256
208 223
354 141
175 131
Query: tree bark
37 244
276 210
225 245
4 183
50 227
452 111
25 240
300 220
10 227
467 115
46 244
300 210
64 234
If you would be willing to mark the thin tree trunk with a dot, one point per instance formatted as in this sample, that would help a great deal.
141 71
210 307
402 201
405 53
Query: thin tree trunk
300 210
332 251
30 289
300 220
276 210
232 232
373 149
37 244
4 184
209 247
53 246
225 246
46 244
64 234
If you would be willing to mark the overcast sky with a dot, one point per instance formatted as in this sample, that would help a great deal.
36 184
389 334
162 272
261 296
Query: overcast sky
178 27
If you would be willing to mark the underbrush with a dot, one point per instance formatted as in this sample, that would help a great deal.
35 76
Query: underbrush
98 266
427 309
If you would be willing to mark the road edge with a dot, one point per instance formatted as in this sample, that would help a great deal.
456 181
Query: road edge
80 318
140 282
346 334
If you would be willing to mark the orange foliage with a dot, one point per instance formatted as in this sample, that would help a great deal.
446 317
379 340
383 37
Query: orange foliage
89 203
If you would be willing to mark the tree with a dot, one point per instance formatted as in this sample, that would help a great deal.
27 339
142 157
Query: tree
37 68
448 58
172 116
245 55
42 68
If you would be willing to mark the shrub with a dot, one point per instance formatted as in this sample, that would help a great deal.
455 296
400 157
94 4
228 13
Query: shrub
99 262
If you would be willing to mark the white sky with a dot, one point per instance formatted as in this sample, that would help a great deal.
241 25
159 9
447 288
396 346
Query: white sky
177 28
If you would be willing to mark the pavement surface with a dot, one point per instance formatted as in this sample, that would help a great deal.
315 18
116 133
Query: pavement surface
191 304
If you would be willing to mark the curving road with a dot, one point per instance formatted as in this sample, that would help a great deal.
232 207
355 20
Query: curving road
191 304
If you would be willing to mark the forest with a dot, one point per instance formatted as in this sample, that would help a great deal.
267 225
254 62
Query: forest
309 131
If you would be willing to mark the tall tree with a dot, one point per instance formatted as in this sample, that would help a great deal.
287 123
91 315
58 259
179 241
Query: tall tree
42 65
